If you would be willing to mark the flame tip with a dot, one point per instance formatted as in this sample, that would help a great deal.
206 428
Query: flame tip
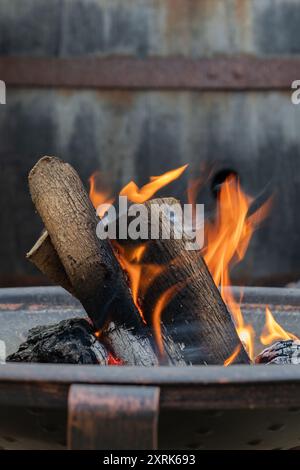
272 331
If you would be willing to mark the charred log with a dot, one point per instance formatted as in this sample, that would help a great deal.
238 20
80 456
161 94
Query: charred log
132 345
69 342
281 352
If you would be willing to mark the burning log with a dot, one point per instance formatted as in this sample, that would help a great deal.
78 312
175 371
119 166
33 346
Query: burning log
129 346
70 220
196 326
183 297
69 342
70 253
281 352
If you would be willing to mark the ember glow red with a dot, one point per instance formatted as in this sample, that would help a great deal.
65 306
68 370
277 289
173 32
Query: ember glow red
113 361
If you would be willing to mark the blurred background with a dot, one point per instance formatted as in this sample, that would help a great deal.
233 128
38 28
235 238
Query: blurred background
136 88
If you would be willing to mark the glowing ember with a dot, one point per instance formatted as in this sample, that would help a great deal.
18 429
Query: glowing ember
273 331
113 361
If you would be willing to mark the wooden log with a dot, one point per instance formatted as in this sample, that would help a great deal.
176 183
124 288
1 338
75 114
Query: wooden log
195 320
45 258
195 315
72 256
133 346
69 217
281 352
181 327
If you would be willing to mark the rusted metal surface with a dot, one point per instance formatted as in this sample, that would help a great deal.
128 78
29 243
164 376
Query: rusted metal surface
134 135
180 387
112 417
32 428
135 132
190 28
152 73
42 428
192 388
169 377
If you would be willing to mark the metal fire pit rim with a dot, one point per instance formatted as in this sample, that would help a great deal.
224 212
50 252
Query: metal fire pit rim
58 295
47 386
45 297
170 376
258 396
191 387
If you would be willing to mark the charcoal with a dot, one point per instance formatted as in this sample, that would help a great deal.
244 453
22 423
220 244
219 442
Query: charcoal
69 341
281 352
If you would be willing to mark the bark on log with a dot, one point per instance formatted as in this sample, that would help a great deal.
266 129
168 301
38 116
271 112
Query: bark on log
45 258
131 347
195 320
70 219
196 316
72 256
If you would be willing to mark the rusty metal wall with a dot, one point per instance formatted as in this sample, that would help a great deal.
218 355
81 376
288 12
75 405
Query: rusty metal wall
192 28
136 133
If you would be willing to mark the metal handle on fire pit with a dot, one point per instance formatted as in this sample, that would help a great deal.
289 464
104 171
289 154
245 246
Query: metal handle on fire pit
113 417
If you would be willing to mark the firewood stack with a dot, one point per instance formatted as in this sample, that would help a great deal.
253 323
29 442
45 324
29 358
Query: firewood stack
194 326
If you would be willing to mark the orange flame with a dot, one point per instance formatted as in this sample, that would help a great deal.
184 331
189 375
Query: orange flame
160 305
140 274
227 241
233 356
273 331
98 196
140 195
129 261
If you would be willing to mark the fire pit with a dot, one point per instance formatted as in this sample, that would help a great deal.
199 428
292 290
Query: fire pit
199 407
140 293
